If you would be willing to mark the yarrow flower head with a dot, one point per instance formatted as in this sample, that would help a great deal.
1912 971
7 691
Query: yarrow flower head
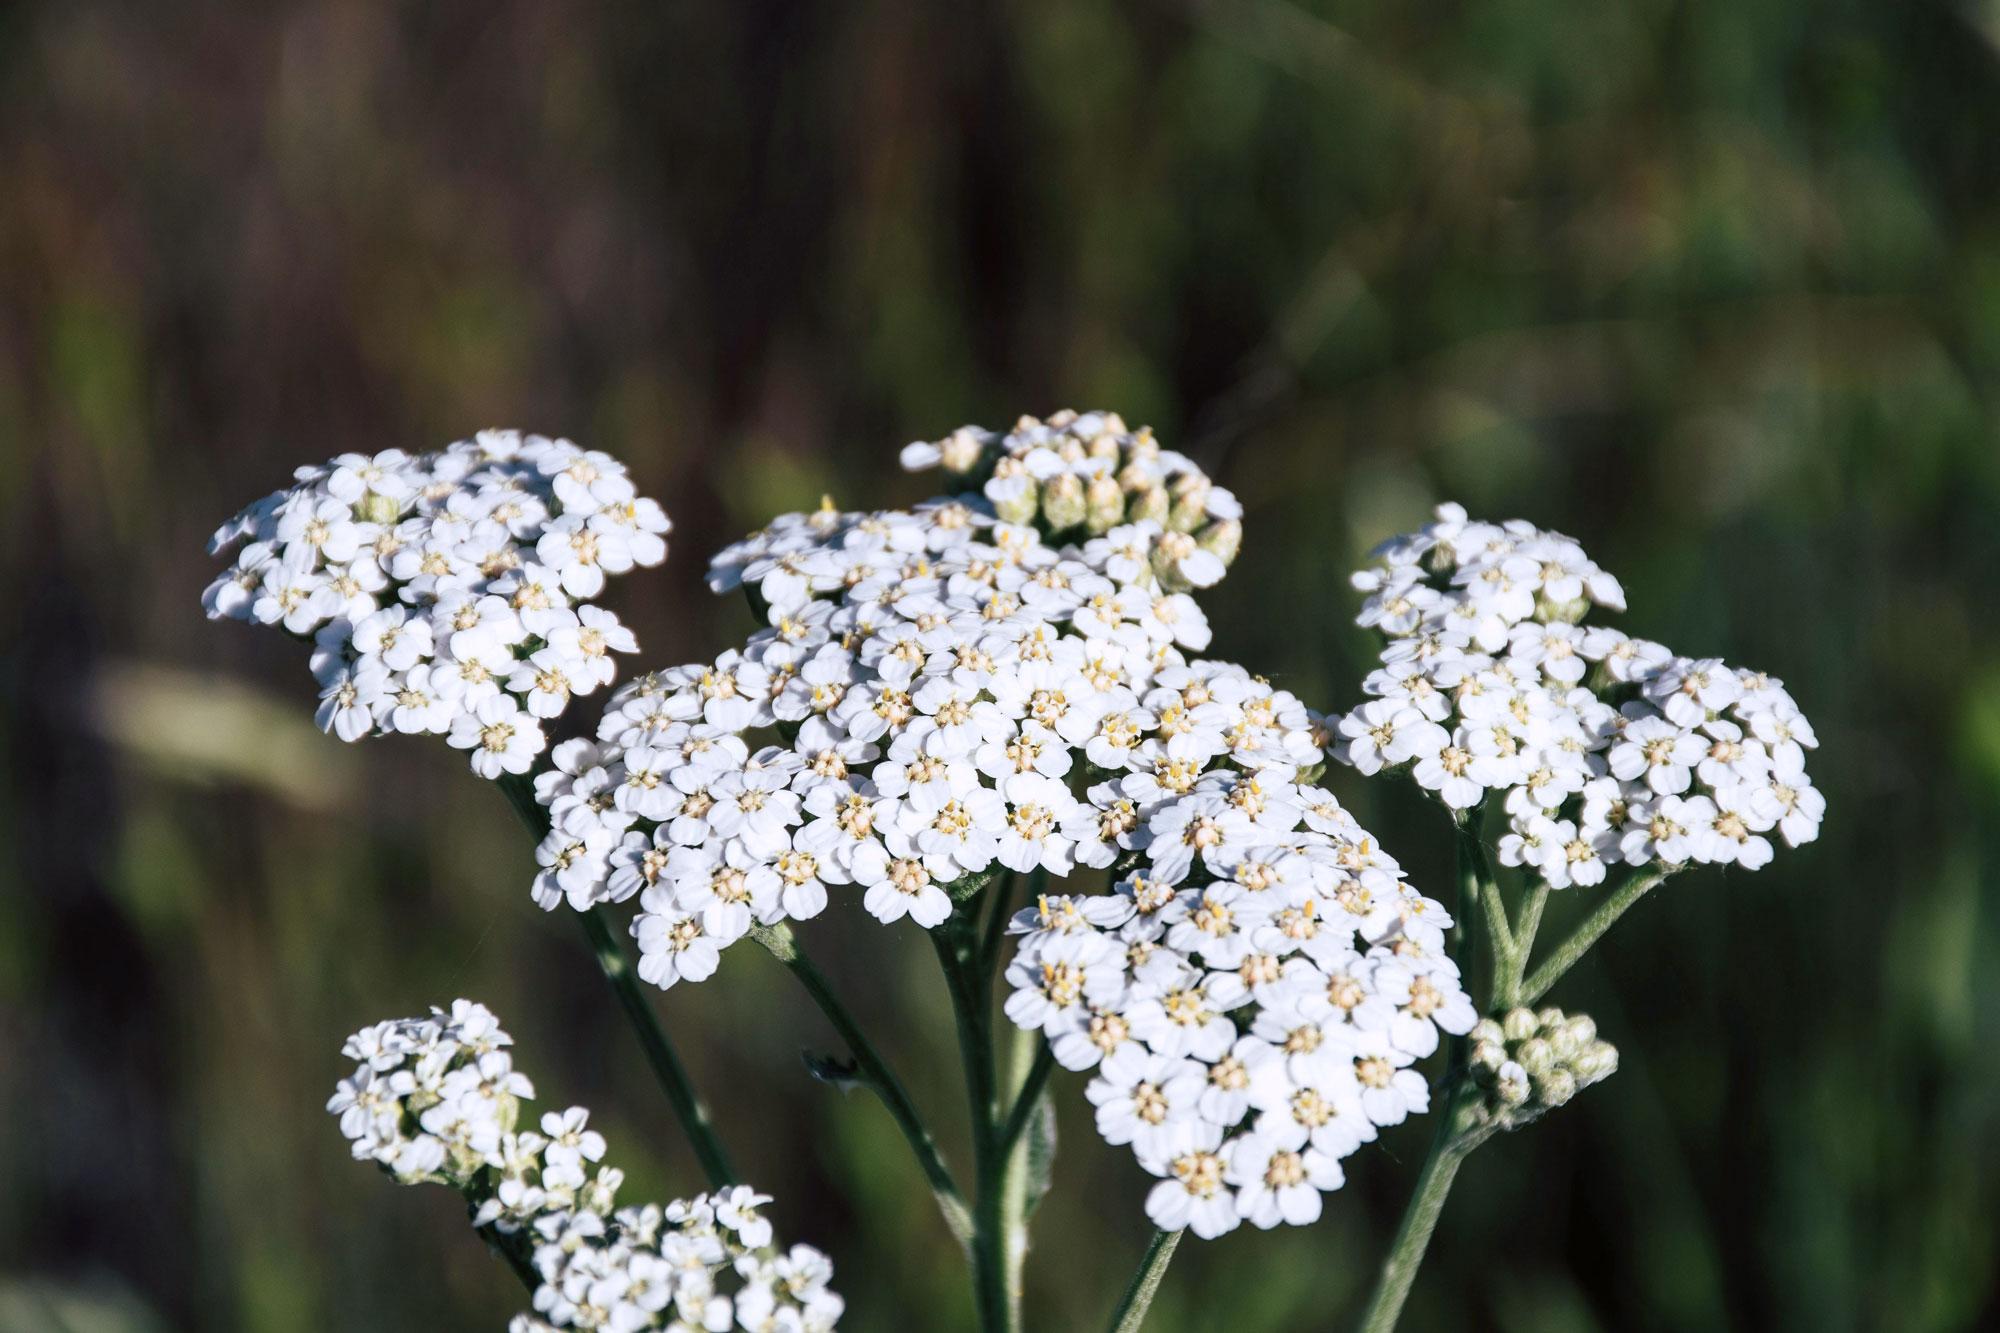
1252 995
1606 749
938 695
448 593
437 1099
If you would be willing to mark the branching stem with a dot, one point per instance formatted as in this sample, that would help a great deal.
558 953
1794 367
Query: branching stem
1565 955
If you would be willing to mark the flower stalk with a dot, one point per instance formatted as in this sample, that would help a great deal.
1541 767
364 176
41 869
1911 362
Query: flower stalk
872 1070
617 969
1566 955
1138 1298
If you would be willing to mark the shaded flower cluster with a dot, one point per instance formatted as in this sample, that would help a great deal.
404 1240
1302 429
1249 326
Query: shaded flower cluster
1252 996
1080 475
938 695
447 593
1608 749
438 1100
1531 1061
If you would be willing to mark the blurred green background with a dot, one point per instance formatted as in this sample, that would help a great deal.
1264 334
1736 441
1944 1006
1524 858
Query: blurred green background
1713 285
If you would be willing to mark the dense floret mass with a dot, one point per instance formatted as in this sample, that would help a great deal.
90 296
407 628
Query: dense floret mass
447 593
1606 749
1252 997
438 1100
938 696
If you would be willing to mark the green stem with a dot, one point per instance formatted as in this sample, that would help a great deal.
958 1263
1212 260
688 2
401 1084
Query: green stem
1028 1075
957 950
783 945
1041 1063
1145 1284
617 969
1507 993
1478 891
999 912
1566 954
1413 1237
660 1053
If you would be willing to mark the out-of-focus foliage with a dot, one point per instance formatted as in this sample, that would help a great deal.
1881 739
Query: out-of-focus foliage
1713 285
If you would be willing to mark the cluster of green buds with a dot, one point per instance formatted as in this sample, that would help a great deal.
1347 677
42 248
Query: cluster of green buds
1529 1061
1085 475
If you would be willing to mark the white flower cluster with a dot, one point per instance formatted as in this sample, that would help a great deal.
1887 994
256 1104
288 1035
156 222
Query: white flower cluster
1608 748
1529 1062
438 1099
941 694
447 593
1083 474
1252 997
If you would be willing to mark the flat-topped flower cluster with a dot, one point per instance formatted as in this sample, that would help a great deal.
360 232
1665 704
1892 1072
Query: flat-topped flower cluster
1252 999
438 1099
1609 749
447 593
937 694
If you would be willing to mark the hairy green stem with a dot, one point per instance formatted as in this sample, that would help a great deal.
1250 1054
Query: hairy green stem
957 944
1449 1149
1145 1284
1479 894
660 1053
999 1241
1040 1060
1455 1136
998 912
1566 954
617 969
1028 1075
1506 994
874 1071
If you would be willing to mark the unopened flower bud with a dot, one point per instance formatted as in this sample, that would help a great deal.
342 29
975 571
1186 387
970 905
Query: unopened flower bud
961 450
1104 501
1555 1087
1063 503
1223 539
1190 502
1520 1024
1148 502
1486 1031
1597 1062
1511 1084
1488 1056
1565 613
377 508
1015 497
1561 1040
1536 1056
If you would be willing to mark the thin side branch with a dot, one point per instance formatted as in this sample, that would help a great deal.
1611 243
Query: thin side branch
1566 954
1145 1284
873 1070
617 969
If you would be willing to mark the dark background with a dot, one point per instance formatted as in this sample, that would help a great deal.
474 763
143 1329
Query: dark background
1713 285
